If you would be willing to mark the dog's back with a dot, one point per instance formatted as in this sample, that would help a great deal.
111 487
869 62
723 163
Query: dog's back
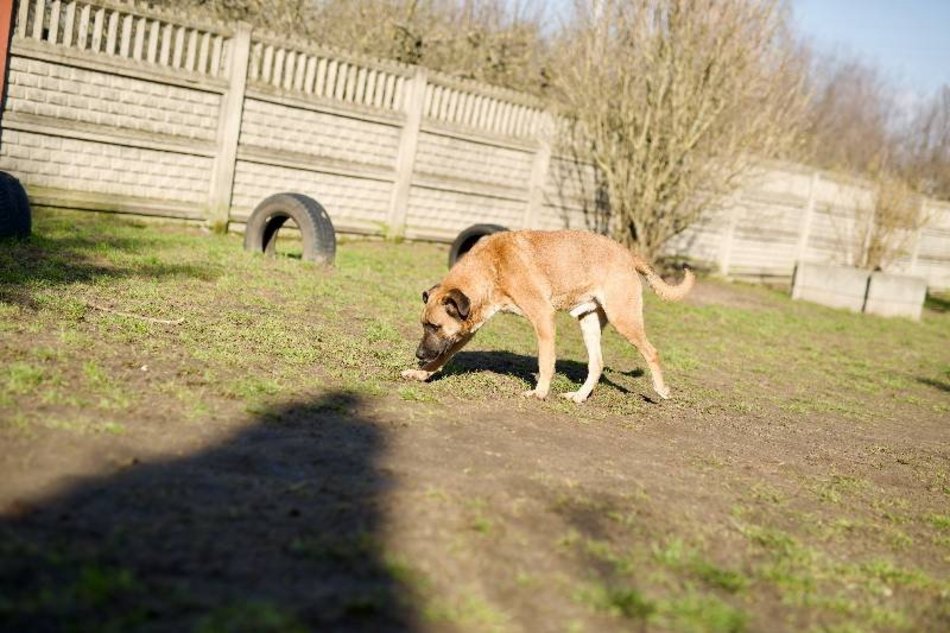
568 265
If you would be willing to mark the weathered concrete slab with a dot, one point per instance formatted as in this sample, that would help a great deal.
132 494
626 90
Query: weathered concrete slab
833 286
896 295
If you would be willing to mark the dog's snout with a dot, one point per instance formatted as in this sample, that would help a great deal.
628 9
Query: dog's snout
429 350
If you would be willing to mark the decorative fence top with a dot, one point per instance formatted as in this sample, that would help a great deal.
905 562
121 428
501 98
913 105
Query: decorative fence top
480 107
305 70
127 31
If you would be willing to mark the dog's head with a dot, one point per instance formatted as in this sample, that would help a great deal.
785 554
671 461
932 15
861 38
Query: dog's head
445 322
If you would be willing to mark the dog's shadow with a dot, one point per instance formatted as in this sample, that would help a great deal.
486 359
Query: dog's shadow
523 367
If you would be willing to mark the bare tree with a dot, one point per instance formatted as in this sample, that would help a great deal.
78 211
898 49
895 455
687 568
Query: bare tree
279 15
858 126
852 116
884 231
672 100
859 122
926 157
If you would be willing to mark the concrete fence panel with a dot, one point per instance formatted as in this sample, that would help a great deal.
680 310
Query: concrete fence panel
568 193
111 107
765 237
356 204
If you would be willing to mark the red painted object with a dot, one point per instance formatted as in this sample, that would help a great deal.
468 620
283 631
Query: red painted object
6 27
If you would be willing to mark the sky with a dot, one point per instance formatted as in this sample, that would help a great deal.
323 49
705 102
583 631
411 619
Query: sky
909 40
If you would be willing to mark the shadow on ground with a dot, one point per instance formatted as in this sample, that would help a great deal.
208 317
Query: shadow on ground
277 529
61 261
940 385
523 367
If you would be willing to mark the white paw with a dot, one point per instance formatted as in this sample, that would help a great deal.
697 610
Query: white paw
416 374
663 392
534 393
574 396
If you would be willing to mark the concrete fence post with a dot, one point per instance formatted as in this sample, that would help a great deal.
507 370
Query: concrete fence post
539 172
918 233
728 236
229 131
406 157
804 231
868 229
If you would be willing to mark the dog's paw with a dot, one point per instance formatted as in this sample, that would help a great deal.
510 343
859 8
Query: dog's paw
416 374
663 392
534 393
574 396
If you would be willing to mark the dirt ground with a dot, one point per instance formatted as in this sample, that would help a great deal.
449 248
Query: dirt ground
337 510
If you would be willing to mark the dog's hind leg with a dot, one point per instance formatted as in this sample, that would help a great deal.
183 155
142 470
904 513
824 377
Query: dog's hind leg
624 309
591 325
633 331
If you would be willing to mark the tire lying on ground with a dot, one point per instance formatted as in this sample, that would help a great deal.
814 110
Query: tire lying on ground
467 239
316 229
15 219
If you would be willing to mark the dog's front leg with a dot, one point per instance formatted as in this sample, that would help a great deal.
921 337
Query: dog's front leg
545 329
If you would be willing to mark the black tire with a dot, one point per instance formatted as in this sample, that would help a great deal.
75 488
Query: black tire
469 237
15 219
316 229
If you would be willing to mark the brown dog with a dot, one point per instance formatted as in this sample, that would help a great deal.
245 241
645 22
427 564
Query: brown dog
534 274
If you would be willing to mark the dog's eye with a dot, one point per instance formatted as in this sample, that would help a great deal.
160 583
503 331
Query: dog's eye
432 327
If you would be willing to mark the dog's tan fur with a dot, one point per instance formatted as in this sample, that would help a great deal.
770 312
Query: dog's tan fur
534 274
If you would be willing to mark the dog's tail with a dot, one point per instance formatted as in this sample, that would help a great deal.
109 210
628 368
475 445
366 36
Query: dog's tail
664 290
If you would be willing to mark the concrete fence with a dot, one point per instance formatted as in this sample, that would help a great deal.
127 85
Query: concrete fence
116 106
787 214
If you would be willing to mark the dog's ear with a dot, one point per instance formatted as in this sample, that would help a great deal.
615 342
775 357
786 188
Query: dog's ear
426 293
456 304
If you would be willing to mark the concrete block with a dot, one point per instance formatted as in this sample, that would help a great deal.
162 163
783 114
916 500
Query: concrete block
17 151
25 79
832 286
896 295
